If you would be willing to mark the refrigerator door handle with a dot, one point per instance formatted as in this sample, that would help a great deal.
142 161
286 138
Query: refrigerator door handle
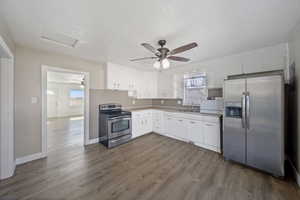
248 110
243 109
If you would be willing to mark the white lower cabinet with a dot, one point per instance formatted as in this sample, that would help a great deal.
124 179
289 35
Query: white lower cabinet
203 131
180 129
169 125
158 121
136 124
195 131
212 135
141 123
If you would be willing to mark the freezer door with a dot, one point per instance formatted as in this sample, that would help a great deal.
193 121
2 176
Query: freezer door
265 119
234 121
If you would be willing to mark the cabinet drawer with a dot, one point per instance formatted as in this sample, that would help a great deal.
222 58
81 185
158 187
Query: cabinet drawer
211 119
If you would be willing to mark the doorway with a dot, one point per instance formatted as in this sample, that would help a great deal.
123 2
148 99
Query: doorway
7 161
65 108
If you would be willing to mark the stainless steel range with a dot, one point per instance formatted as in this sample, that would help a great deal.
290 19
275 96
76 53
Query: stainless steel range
114 125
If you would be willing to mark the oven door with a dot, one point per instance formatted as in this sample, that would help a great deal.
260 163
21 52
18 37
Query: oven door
119 126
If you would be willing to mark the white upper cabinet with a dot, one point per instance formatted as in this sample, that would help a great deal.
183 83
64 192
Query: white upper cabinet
112 80
141 84
147 85
118 77
165 85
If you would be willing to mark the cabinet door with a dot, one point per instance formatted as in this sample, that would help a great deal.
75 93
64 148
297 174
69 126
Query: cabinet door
179 129
157 121
178 86
136 125
165 85
169 125
195 131
111 76
148 121
211 134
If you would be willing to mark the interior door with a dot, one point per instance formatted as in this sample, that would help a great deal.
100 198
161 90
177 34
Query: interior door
234 134
265 117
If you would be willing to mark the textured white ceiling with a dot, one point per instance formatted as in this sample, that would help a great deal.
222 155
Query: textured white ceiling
113 30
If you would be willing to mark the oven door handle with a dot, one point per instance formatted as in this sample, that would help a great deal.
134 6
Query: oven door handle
119 118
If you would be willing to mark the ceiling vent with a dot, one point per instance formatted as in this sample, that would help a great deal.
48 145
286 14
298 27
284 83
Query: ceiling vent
60 39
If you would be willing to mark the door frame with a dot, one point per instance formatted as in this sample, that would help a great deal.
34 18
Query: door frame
45 70
7 160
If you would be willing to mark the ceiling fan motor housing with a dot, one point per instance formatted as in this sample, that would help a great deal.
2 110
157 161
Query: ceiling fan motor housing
162 43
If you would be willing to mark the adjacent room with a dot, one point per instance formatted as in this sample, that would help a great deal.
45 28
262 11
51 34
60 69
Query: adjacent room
150 100
65 109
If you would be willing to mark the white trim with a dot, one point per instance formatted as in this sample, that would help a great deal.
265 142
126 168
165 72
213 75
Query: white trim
6 48
29 158
93 141
45 69
7 161
296 173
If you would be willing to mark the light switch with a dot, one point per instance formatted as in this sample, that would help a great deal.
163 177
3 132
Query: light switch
179 102
133 102
34 100
162 101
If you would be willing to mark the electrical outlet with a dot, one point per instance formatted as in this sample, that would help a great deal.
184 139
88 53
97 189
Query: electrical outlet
162 101
133 102
179 102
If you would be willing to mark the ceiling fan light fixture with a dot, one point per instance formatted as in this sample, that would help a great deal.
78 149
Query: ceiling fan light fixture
165 63
156 65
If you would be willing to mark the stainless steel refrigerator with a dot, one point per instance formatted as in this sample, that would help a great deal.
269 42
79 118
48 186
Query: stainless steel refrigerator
253 123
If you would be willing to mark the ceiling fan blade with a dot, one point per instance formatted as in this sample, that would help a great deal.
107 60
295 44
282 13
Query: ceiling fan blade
180 59
146 58
150 48
183 48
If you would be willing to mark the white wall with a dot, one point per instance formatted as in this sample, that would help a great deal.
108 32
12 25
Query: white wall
265 59
59 102
28 116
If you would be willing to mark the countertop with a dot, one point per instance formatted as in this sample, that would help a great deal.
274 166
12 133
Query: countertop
171 109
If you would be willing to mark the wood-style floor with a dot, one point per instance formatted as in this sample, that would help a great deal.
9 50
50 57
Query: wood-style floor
150 167
65 131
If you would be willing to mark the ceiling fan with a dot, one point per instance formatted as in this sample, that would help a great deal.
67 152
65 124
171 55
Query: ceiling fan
163 54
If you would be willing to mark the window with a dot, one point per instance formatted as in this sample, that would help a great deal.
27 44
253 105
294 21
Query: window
76 94
76 97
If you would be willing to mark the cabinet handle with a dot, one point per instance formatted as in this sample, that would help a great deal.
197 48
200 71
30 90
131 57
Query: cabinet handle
192 122
180 120
209 124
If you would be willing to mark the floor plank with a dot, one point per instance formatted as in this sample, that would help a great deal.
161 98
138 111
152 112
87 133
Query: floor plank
64 131
150 167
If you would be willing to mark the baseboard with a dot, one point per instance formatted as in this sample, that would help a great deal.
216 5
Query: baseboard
93 141
29 158
296 173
